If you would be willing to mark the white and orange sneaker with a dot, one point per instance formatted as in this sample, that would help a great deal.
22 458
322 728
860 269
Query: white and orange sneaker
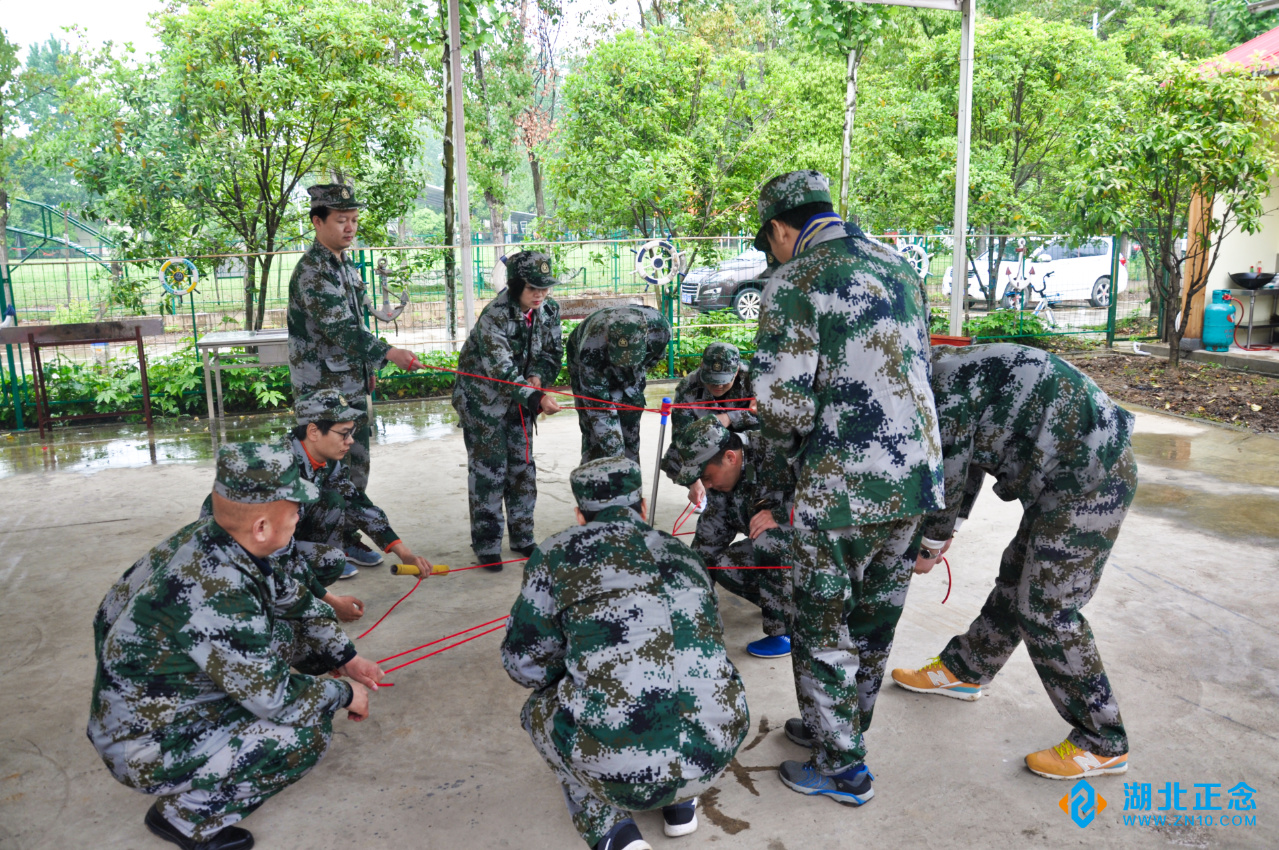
935 678
1066 761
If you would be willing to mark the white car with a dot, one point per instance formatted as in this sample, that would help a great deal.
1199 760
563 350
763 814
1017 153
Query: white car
1062 272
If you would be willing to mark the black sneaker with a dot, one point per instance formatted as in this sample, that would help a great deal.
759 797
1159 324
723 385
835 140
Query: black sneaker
853 787
799 733
230 838
526 551
624 835
681 818
490 562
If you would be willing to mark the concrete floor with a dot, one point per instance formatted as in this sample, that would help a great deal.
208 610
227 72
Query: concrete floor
1185 619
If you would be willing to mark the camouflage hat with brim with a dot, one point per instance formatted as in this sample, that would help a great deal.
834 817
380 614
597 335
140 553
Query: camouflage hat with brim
607 482
626 343
720 362
325 406
532 267
785 192
335 196
698 444
257 473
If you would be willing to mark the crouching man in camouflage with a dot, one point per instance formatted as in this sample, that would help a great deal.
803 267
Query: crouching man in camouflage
719 387
517 346
609 355
1054 441
630 712
194 702
736 505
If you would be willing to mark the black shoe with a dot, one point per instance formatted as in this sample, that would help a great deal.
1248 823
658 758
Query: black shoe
526 551
681 818
799 733
623 836
489 562
230 838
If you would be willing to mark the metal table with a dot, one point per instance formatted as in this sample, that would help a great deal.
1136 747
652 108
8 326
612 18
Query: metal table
273 350
1252 306
82 333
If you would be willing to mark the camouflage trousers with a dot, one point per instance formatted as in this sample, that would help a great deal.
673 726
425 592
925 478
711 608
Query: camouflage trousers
357 460
850 586
1048 573
769 589
608 435
595 804
500 469
319 560
224 769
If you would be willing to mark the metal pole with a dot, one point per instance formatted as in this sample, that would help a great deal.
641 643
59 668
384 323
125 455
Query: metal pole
1114 290
959 269
657 471
463 237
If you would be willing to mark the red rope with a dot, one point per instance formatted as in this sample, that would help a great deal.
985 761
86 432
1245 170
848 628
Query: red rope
615 405
446 637
684 517
948 583
494 564
445 649
392 608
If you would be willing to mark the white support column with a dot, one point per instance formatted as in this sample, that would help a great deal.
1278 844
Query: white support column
959 271
463 243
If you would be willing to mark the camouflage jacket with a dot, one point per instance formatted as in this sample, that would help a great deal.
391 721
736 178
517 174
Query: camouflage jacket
729 514
691 390
503 345
1037 424
593 375
841 374
183 646
621 622
329 347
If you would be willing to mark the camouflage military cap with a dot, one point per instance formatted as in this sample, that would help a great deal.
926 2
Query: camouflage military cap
720 362
786 192
335 196
698 444
257 473
325 406
627 343
532 267
607 482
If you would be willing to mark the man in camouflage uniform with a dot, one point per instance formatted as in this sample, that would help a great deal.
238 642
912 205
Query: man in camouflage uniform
329 347
1055 442
718 387
727 463
609 355
517 344
630 713
193 701
841 376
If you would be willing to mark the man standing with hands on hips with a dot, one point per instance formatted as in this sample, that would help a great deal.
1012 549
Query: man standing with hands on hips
329 347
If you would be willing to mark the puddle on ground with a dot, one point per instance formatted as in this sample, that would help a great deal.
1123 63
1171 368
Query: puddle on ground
1240 517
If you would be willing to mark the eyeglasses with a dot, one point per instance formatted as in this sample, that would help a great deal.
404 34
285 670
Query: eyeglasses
347 434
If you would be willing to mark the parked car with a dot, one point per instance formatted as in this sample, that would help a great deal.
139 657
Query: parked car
736 283
1062 272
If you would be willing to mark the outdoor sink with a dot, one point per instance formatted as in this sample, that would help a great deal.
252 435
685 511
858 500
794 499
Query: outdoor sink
1251 280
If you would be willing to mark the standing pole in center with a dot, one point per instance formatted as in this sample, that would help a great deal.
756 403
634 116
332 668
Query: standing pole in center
463 239
657 471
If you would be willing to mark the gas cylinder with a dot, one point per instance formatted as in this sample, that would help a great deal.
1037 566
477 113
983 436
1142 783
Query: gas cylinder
1219 331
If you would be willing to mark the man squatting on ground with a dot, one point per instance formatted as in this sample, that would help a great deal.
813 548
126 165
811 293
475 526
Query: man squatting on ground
329 347
1054 441
720 387
727 463
609 355
193 701
517 340
636 704
842 381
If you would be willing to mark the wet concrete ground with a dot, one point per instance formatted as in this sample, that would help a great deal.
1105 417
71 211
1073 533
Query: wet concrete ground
1185 619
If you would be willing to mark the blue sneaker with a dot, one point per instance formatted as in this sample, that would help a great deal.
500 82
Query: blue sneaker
852 787
358 553
680 819
624 835
777 646
349 571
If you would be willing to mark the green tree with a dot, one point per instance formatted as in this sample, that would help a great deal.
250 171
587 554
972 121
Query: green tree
1181 133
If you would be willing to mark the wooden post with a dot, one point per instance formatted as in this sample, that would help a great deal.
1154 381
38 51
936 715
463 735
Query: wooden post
1196 260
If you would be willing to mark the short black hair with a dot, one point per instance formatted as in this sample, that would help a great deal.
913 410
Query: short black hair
299 431
590 515
515 286
799 216
735 444
322 213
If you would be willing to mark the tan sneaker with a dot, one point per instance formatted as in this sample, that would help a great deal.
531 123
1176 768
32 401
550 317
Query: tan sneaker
1066 761
934 678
